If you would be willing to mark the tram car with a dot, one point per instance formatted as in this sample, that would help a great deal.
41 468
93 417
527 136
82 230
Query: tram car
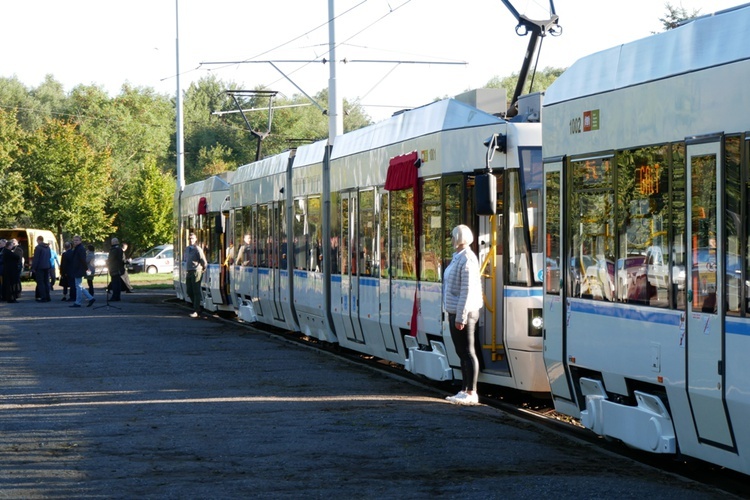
347 243
646 169
201 207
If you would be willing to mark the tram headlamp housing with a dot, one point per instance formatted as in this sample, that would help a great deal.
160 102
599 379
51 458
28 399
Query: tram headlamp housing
535 322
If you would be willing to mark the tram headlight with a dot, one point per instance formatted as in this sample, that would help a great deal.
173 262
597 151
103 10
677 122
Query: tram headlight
536 323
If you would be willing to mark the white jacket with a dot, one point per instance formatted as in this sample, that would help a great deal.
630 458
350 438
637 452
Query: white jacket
462 285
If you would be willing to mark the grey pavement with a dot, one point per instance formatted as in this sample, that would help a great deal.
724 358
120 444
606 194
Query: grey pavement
143 401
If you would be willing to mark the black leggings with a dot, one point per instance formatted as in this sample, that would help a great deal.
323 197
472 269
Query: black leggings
463 340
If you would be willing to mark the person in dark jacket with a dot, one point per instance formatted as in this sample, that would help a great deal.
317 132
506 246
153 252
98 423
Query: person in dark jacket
116 267
40 266
11 281
77 269
66 280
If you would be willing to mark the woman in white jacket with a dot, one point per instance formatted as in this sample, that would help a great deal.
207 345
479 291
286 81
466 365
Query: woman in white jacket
462 302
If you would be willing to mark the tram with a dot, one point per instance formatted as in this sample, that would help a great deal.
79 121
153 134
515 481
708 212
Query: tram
200 208
346 244
647 305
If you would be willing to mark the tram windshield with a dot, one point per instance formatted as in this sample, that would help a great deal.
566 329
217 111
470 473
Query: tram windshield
525 218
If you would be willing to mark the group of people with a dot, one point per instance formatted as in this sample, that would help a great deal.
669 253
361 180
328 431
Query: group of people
76 263
11 267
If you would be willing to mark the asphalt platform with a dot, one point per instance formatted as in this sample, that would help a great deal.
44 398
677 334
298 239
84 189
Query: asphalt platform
141 401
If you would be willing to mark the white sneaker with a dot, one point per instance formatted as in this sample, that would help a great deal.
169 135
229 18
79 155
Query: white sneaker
193 314
467 399
459 394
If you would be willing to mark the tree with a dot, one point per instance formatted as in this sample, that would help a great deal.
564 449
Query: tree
12 206
66 182
536 83
147 209
676 16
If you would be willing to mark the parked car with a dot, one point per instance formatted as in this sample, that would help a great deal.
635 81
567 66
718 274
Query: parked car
100 263
159 259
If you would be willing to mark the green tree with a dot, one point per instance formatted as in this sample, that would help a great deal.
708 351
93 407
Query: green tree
66 182
12 206
676 16
535 83
147 209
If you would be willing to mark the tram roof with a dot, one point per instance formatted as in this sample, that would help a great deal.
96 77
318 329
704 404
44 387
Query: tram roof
708 41
443 115
267 166
213 183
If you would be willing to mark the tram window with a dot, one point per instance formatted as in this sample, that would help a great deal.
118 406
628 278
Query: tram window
263 236
532 168
335 228
643 267
431 231
733 228
678 227
313 234
300 215
552 225
383 236
703 223
367 245
452 217
518 261
344 236
403 254
592 223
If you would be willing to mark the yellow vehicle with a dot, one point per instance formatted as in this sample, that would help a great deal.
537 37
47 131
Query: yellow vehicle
27 241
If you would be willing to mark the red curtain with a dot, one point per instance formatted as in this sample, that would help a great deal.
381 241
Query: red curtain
402 174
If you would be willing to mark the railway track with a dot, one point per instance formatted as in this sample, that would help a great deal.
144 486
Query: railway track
534 410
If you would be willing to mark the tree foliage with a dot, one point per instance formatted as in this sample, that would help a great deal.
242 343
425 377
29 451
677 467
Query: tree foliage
12 207
63 178
147 204
675 16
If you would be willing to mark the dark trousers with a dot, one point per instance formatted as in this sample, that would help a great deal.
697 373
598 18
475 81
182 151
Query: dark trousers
115 285
72 286
42 284
194 290
464 342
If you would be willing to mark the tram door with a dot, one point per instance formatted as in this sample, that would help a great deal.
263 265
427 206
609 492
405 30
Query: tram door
704 328
382 258
274 248
349 269
554 310
255 238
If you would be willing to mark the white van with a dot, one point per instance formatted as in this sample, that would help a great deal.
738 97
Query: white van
159 259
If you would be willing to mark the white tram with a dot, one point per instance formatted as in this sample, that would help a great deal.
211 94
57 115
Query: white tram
646 309
347 244
201 207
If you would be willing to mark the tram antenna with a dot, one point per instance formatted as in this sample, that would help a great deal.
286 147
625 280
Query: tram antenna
538 29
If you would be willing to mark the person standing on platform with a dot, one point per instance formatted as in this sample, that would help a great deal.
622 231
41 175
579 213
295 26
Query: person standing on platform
90 267
462 301
11 281
77 269
66 279
195 265
40 266
125 277
116 266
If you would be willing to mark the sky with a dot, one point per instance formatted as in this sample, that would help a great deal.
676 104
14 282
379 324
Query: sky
108 43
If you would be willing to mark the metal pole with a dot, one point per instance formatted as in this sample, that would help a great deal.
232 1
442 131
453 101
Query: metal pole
335 116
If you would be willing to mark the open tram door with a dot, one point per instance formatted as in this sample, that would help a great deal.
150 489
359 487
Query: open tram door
704 329
488 206
555 309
